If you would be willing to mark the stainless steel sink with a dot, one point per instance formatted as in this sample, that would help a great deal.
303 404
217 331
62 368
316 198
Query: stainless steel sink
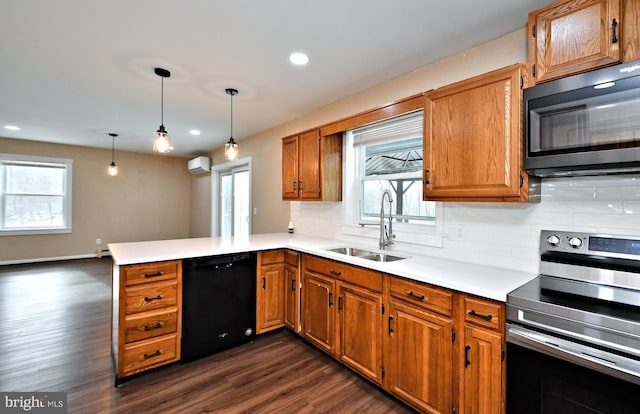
350 251
382 257
365 254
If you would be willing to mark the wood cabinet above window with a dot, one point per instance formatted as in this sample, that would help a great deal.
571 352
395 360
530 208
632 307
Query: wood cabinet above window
312 167
473 139
574 36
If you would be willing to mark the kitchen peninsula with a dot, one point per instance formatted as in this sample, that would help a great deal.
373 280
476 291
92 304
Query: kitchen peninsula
448 314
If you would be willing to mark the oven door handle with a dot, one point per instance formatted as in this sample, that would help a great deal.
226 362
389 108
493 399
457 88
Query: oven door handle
596 359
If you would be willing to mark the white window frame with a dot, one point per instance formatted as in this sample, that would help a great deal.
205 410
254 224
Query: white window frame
429 233
67 196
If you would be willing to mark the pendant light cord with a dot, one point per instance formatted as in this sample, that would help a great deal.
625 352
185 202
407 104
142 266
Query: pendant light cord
161 100
231 95
113 144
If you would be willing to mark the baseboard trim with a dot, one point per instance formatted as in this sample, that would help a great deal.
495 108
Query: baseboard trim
55 259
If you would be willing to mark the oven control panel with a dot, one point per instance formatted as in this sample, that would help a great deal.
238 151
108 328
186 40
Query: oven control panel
589 243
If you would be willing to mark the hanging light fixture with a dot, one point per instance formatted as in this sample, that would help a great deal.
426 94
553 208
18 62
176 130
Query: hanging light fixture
112 169
162 142
231 148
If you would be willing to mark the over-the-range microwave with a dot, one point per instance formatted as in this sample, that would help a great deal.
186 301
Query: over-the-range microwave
586 124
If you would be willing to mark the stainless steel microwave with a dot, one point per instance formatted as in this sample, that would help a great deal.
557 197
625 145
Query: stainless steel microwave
586 124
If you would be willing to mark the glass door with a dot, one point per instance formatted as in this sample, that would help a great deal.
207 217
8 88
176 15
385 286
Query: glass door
234 217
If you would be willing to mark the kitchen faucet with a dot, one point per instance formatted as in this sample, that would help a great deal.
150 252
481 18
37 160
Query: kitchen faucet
386 237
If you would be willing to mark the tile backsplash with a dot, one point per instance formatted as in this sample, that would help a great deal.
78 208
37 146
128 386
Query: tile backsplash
501 234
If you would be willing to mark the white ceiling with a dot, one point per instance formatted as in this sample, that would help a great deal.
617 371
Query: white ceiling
72 71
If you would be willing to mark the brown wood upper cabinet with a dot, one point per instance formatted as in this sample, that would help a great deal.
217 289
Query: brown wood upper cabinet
574 36
312 167
473 139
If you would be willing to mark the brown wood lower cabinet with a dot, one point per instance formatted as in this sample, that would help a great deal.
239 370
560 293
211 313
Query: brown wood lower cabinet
481 349
418 361
360 323
438 350
292 290
146 316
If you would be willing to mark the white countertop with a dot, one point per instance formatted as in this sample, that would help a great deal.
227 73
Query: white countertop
486 281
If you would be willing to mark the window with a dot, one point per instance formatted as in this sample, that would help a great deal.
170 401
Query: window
36 195
388 156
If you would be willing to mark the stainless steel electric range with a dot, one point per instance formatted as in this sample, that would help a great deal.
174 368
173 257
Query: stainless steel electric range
573 333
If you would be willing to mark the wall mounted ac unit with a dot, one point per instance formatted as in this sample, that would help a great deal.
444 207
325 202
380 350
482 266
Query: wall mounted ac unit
199 165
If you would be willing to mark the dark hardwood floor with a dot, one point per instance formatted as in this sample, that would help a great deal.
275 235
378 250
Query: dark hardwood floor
55 336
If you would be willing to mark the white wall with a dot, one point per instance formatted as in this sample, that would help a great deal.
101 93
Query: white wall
507 234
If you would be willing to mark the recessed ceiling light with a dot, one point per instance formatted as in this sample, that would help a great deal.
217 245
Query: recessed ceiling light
194 132
12 127
299 58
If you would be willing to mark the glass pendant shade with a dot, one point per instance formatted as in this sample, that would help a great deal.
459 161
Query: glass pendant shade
231 150
162 141
112 169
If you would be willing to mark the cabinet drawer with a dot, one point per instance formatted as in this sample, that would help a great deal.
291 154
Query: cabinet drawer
420 294
150 272
341 271
146 325
142 355
291 258
151 296
483 312
272 257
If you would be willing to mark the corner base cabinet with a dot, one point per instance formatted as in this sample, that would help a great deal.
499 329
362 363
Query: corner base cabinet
146 316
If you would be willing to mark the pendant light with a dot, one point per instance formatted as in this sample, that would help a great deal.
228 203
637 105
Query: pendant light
162 142
112 169
231 148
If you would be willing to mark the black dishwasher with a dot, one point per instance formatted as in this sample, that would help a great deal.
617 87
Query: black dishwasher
218 303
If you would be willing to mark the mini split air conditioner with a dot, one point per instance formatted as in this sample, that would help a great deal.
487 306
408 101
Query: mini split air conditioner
199 165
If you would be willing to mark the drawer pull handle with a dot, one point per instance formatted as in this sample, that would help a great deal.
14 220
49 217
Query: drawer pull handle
415 296
152 299
155 354
330 299
614 25
295 186
264 283
339 303
335 272
293 285
389 328
152 327
154 274
477 315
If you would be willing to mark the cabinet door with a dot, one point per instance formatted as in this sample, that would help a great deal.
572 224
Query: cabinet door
361 331
575 36
309 165
290 168
472 138
318 310
420 358
291 295
270 298
482 391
